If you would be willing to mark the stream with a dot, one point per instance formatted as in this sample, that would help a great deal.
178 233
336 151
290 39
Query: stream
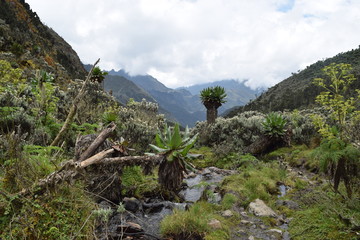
141 218
144 217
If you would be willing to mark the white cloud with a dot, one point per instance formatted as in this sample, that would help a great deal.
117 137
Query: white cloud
185 42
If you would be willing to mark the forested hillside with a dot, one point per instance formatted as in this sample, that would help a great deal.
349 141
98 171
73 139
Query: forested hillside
298 91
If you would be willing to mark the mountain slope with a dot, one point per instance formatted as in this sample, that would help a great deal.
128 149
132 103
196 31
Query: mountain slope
123 89
29 44
297 91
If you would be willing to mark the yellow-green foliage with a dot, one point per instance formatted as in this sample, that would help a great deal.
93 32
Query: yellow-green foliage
255 183
194 223
325 215
10 78
334 98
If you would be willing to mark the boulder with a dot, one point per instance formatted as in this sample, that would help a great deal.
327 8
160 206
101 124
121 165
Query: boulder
260 209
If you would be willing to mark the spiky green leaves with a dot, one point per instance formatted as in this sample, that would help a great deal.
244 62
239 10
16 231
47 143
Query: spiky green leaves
213 94
172 144
274 125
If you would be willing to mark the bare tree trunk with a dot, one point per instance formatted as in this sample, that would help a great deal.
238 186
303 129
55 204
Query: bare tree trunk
211 114
73 109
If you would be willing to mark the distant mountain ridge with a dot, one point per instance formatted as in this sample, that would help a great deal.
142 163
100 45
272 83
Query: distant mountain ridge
182 103
298 91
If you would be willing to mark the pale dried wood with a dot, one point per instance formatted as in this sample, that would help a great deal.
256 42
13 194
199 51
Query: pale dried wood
97 142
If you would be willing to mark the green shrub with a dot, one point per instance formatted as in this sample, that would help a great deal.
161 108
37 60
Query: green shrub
230 134
274 125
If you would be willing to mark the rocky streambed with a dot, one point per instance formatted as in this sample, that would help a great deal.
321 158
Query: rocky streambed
140 219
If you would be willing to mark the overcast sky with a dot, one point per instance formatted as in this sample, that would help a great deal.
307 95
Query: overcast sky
184 42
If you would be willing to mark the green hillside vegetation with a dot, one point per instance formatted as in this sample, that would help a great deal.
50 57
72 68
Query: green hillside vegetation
29 44
298 91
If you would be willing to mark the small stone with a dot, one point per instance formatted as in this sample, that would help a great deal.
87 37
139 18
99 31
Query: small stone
251 238
227 213
262 226
260 209
243 214
245 222
241 232
215 224
191 175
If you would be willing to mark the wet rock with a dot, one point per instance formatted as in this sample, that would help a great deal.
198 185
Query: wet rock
227 213
215 224
214 198
288 203
153 207
131 204
260 209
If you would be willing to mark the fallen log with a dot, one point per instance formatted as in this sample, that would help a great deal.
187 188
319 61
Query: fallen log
74 170
97 142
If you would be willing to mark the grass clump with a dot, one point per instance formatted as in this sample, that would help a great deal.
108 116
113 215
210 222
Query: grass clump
228 200
253 183
325 215
207 160
194 223
135 183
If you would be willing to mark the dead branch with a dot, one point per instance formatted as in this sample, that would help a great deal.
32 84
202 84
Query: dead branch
98 141
128 160
73 109
97 157
73 170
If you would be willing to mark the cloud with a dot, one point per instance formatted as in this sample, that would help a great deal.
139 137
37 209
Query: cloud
184 42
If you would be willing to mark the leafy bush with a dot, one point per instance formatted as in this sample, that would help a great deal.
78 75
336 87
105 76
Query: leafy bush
334 152
274 125
138 124
230 134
